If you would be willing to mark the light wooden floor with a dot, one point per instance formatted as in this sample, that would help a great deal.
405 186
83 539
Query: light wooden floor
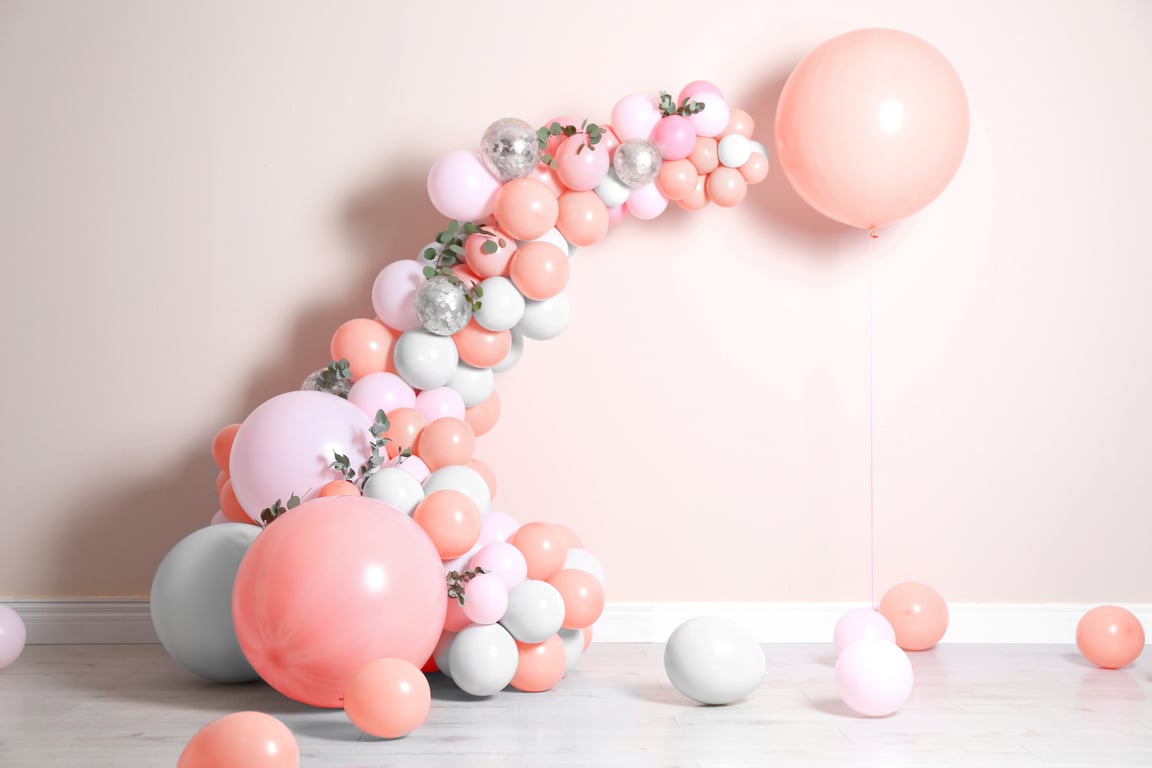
989 706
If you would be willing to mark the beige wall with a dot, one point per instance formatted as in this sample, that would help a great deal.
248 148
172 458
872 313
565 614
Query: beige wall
193 195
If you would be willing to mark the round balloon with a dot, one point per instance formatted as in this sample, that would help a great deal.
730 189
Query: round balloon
874 677
242 740
483 659
714 660
13 635
331 585
871 126
191 602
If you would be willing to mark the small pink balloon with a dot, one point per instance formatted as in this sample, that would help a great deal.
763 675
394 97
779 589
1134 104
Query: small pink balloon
674 137
13 635
697 87
616 213
497 526
461 187
394 294
485 599
713 119
218 518
859 624
440 403
381 391
454 617
646 202
502 560
413 465
579 166
608 139
546 176
874 677
635 116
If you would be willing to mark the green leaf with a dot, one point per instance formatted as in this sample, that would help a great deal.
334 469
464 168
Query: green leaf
430 254
546 159
293 502
555 129
477 291
489 247
453 226
429 273
456 249
471 229
476 307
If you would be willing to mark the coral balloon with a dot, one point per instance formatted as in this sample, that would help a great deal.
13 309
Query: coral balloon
340 488
917 613
1110 636
445 442
451 520
583 597
333 584
543 548
481 347
698 198
677 179
871 126
242 740
583 217
541 665
726 187
756 169
740 122
222 445
405 426
526 208
388 698
705 155
486 264
230 505
365 343
484 416
540 270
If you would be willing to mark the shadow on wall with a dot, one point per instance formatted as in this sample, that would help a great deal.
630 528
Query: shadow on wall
386 219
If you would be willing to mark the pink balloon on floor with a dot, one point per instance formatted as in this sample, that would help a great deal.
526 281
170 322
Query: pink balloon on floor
859 624
874 677
13 635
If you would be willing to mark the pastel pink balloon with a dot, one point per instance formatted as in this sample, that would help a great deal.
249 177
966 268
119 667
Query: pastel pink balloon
381 391
503 560
698 86
579 166
635 116
871 127
440 403
461 187
394 294
616 213
218 517
331 585
714 118
874 677
413 465
646 202
485 599
454 617
286 446
13 635
674 137
859 624
497 526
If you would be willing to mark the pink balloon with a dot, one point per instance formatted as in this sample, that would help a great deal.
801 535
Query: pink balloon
858 624
635 116
497 526
871 126
413 465
13 635
713 119
485 599
286 446
646 202
616 213
503 560
696 87
454 617
381 391
579 166
874 677
242 740
218 518
461 187
331 585
674 136
394 294
440 403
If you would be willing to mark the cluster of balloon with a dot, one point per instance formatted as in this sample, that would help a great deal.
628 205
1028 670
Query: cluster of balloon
871 127
13 635
1110 637
873 672
714 660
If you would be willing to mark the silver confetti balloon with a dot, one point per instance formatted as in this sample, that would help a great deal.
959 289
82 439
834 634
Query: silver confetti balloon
442 305
510 149
317 381
636 162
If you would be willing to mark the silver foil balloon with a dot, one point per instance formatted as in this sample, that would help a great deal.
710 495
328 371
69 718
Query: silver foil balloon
442 305
636 162
317 382
510 149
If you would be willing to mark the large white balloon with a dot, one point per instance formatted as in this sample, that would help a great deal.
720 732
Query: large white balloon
473 384
483 659
501 306
535 611
468 481
425 360
547 319
396 487
714 660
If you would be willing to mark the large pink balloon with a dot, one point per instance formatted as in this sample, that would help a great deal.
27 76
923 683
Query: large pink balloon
331 585
286 447
871 126
461 187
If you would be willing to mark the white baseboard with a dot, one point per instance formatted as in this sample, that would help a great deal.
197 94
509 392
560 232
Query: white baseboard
101 620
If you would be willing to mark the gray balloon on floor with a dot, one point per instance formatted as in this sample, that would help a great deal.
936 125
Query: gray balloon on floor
192 602
714 660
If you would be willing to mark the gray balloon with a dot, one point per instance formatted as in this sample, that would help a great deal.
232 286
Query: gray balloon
191 602
473 384
483 659
535 611
456 477
515 352
547 319
440 654
425 360
714 660
573 640
395 487
502 305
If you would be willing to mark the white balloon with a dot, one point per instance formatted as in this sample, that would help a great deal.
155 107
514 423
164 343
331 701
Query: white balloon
501 304
473 384
756 146
440 654
583 560
396 488
734 150
464 479
545 319
552 236
515 352
483 659
535 611
613 191
573 640
425 360
714 660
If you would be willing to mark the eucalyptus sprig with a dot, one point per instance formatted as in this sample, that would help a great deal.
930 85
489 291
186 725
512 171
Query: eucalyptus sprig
268 514
377 457
687 106
451 252
456 581
592 131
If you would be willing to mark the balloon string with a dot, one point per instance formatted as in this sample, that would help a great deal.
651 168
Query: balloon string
871 430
